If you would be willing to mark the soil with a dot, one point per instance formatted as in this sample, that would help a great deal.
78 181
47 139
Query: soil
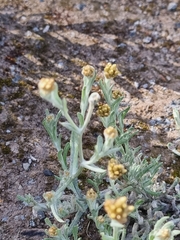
55 39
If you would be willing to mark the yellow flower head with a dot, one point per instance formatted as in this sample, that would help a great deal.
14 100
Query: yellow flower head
91 194
48 195
100 219
115 170
52 231
46 86
164 234
103 110
110 133
111 71
116 94
88 71
118 209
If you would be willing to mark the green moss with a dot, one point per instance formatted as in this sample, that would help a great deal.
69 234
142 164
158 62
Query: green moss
176 169
5 82
5 149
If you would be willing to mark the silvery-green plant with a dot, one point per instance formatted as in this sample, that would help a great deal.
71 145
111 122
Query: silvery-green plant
176 116
128 175
163 231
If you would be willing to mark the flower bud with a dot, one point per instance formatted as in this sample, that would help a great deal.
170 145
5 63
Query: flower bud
103 110
110 133
100 219
46 86
91 195
116 94
111 71
48 195
118 209
115 170
88 71
164 234
52 231
94 97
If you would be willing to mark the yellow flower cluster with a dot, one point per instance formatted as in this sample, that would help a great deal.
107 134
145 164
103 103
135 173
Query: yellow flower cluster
52 231
116 94
103 110
115 170
164 234
110 133
118 209
46 85
48 195
111 71
100 219
91 194
88 71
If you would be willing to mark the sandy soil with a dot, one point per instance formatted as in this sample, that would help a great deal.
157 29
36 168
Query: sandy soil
55 39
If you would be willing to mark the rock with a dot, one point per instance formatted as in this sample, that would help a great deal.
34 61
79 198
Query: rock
172 6
147 40
41 215
35 29
80 6
26 166
48 173
177 25
136 84
145 86
46 29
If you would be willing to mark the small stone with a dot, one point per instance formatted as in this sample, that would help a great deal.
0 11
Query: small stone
26 166
136 84
168 78
32 233
177 25
145 86
147 40
132 33
41 214
46 29
4 219
35 29
23 19
80 6
33 158
48 173
172 6
28 34
32 223
8 131
122 45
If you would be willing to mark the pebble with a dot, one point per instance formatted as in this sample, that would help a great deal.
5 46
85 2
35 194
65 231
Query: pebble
28 34
177 25
4 219
41 214
46 29
172 6
122 45
80 6
168 78
145 86
33 233
48 173
35 29
32 223
147 40
26 166
132 33
23 19
136 84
